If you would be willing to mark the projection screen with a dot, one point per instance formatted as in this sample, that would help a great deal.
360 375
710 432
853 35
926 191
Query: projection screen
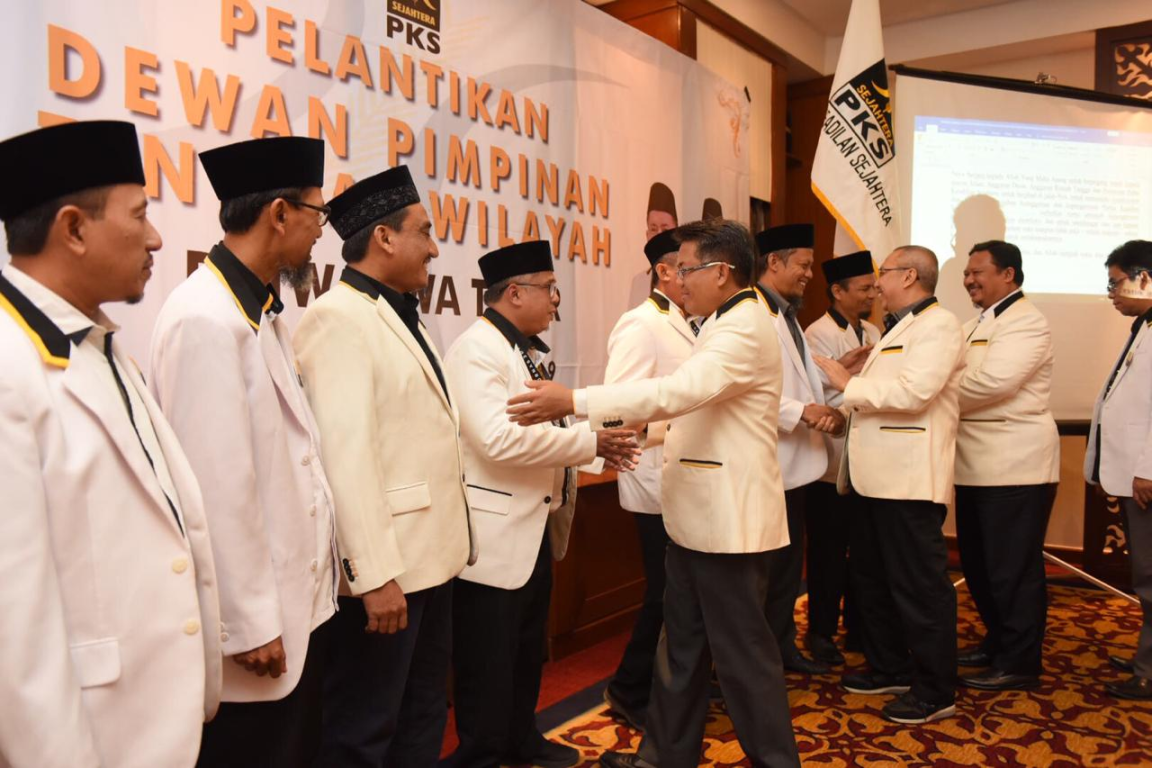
1063 173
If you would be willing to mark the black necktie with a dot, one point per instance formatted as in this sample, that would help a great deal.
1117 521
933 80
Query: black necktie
794 328
695 328
132 419
890 321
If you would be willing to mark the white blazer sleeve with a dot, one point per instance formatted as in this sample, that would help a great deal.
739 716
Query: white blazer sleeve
345 398
197 379
478 375
632 357
1013 355
43 721
926 367
721 368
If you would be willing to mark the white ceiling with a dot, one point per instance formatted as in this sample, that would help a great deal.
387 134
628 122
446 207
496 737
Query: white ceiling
830 16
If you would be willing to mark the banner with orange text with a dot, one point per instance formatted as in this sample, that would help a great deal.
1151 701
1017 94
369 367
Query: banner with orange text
519 119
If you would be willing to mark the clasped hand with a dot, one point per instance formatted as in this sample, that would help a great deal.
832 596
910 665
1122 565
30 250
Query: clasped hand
547 401
823 418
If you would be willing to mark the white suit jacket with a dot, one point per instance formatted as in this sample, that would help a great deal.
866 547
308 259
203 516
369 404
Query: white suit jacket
1121 433
902 431
803 451
514 474
227 385
832 336
721 488
1007 435
652 339
391 441
111 642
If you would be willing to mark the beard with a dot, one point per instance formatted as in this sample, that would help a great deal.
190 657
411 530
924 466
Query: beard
298 278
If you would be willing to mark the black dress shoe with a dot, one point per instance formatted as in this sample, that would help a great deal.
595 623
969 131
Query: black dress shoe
976 658
995 680
795 662
632 718
824 650
1122 663
1135 688
624 760
553 755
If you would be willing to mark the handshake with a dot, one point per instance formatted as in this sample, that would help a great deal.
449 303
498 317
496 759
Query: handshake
823 418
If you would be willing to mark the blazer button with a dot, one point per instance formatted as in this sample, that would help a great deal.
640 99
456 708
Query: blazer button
315 563
179 565
547 499
223 637
191 627
312 511
306 461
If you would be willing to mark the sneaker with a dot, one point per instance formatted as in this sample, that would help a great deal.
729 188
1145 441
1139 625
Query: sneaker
873 683
909 710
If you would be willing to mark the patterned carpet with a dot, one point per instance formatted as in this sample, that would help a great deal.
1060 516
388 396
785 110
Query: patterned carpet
1067 722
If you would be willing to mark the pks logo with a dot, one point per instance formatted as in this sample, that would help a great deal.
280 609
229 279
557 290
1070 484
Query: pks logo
865 106
417 21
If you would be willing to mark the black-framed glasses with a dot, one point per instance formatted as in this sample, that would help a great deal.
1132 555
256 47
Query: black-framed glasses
553 288
323 210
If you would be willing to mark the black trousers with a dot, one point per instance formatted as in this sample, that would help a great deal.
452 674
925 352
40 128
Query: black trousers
632 682
785 572
1138 528
907 602
277 734
1000 531
713 612
385 696
830 520
498 657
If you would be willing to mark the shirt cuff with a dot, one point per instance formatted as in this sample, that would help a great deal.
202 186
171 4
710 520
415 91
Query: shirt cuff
580 403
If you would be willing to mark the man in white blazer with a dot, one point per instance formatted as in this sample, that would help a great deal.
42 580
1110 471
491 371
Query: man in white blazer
842 333
1119 458
785 267
224 373
521 486
900 457
652 339
111 645
1007 468
723 504
389 429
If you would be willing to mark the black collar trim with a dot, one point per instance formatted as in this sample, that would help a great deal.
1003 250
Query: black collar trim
737 298
765 294
53 344
513 334
1007 303
661 301
925 305
254 297
838 318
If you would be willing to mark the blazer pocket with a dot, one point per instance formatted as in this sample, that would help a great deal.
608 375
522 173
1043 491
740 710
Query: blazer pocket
96 662
489 500
701 463
903 430
409 498
896 350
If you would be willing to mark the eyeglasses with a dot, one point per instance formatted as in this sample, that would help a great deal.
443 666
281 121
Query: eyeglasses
682 272
553 288
323 210
883 270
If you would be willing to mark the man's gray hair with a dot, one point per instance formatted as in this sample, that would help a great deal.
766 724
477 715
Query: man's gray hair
924 261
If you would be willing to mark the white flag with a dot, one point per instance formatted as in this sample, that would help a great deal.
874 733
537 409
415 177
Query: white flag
854 174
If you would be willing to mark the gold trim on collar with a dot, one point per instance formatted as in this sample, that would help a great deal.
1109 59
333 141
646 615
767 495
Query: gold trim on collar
216 271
